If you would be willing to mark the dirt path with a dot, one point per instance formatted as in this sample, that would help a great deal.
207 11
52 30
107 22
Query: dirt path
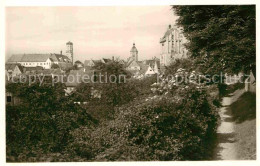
226 143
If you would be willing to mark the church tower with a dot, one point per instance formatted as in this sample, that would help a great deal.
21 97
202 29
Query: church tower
69 50
134 53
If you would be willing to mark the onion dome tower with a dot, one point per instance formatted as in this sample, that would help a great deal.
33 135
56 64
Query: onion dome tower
134 53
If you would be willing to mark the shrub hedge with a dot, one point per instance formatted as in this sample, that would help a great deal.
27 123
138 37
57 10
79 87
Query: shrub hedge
161 129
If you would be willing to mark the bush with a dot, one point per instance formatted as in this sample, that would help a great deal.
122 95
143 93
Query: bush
55 66
187 64
42 123
161 129
143 86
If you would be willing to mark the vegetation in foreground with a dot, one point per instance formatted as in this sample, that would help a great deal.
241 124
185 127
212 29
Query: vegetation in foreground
244 114
132 122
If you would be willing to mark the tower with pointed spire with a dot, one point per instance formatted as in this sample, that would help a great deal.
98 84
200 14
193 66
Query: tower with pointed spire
134 53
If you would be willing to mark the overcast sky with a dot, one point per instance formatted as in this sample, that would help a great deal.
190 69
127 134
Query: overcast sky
96 32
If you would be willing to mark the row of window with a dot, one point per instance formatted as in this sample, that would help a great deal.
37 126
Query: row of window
45 63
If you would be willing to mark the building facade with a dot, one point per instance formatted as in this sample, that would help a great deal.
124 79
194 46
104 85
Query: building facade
43 60
31 60
172 46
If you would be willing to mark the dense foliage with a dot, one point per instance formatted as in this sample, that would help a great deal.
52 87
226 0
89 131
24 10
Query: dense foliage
176 125
136 120
55 66
159 129
222 38
42 122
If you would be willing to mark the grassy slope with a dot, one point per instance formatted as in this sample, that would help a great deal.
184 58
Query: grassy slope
244 113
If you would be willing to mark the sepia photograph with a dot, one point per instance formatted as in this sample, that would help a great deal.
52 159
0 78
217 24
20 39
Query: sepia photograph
130 83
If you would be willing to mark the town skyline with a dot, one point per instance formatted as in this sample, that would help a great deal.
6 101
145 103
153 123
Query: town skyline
94 34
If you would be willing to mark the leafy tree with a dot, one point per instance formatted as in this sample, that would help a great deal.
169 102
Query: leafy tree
222 38
187 64
43 121
55 66
112 68
82 92
116 90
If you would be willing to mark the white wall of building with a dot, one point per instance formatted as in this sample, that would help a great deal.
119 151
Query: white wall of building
46 65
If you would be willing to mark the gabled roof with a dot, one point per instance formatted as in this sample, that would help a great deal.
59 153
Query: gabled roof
59 58
143 67
20 67
86 62
167 33
103 60
35 57
152 62
106 60
129 61
16 58
96 61
29 58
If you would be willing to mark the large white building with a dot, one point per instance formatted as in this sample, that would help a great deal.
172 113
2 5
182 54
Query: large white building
172 46
44 60
32 60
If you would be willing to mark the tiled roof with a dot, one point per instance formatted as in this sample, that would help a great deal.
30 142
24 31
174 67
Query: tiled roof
59 58
15 58
129 62
106 60
96 61
20 68
103 60
29 58
35 57
152 63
